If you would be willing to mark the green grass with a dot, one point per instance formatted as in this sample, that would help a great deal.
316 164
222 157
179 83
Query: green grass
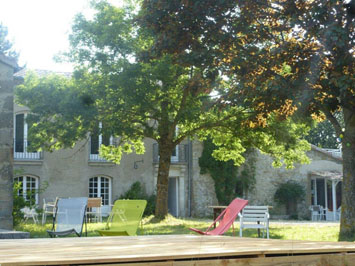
172 225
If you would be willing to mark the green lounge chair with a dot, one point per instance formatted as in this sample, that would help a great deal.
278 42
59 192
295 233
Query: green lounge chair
124 218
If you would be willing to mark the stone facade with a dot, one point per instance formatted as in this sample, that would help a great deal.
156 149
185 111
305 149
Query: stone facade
203 191
6 131
268 179
67 172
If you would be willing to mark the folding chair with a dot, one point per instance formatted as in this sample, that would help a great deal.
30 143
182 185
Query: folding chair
94 209
48 208
225 219
124 218
69 217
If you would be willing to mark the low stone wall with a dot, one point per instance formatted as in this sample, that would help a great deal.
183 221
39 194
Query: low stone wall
7 234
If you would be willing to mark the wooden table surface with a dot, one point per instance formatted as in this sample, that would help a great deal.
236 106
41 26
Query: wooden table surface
46 251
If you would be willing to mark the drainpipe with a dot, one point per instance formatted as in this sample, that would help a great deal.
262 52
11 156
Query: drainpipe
189 174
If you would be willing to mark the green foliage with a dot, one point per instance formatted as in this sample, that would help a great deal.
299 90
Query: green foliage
138 74
289 193
5 44
137 192
18 203
324 135
173 226
223 173
228 183
246 178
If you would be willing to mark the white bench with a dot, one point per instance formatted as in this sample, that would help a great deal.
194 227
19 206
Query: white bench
255 217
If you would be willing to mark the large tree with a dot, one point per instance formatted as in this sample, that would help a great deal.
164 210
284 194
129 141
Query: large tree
294 55
304 52
6 46
137 91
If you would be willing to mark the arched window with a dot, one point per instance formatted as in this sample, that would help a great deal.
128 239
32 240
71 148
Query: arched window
28 188
100 186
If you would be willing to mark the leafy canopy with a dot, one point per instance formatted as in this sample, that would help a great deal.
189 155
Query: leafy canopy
123 81
6 46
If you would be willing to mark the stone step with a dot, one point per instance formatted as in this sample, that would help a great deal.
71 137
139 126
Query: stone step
7 234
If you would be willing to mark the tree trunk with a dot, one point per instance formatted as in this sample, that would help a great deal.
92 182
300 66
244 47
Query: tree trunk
161 208
347 223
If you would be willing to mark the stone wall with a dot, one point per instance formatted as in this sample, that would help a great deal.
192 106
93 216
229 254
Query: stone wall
203 191
6 145
268 180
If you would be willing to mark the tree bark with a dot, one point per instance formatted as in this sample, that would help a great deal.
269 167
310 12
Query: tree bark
347 223
161 208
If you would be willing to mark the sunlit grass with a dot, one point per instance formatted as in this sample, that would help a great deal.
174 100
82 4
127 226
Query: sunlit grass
172 225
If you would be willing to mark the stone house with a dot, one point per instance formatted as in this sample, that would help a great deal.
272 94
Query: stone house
321 180
82 172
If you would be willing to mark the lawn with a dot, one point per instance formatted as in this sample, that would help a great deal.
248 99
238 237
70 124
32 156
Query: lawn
172 225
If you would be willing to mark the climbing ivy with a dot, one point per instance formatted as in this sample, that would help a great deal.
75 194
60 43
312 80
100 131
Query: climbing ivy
289 193
228 182
246 177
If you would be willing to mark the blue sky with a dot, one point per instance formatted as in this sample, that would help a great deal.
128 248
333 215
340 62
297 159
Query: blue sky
39 29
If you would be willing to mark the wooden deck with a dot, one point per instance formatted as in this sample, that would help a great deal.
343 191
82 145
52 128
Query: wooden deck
174 250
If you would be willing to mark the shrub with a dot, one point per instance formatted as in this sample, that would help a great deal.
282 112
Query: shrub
18 203
290 193
137 192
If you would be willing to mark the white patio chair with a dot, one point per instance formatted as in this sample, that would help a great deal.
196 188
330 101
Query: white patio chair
255 217
317 212
48 208
30 213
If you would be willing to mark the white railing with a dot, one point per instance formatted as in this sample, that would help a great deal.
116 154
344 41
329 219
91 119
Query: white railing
334 152
96 158
181 154
21 151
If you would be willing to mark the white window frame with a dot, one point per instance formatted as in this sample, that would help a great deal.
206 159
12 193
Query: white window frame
105 207
97 157
175 158
24 186
24 154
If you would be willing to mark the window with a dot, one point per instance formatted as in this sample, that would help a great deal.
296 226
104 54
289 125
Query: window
28 189
100 186
96 139
175 153
22 143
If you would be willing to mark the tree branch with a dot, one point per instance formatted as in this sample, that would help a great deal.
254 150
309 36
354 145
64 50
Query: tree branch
332 120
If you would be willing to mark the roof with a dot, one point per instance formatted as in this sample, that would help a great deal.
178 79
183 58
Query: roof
8 60
41 73
327 153
330 175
